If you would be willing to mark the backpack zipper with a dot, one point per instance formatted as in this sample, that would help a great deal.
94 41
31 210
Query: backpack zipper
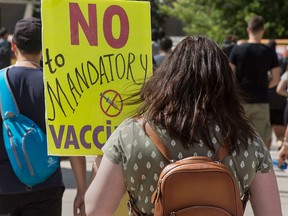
32 173
13 145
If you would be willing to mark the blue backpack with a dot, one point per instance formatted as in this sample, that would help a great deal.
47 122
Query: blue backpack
25 142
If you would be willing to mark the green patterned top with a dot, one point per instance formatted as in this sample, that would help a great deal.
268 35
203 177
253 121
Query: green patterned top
142 162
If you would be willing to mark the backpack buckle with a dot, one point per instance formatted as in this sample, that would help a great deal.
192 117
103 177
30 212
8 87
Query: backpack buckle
9 114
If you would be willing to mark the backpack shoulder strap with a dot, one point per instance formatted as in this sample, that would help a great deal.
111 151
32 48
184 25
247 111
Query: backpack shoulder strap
221 153
7 100
155 138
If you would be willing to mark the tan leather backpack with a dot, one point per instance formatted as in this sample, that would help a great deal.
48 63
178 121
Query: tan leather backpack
195 186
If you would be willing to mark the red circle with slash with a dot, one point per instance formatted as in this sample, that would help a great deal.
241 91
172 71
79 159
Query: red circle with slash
111 103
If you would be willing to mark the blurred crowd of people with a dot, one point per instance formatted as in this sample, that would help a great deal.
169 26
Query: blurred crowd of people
180 102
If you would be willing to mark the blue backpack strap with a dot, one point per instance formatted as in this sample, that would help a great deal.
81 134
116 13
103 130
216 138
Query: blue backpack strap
7 100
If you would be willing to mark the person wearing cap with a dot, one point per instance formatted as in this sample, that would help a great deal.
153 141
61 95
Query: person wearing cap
5 48
26 82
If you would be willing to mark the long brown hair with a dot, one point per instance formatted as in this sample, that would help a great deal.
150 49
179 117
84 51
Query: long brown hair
192 90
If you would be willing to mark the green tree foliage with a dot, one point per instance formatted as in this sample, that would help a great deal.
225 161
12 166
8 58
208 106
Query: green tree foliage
157 15
218 18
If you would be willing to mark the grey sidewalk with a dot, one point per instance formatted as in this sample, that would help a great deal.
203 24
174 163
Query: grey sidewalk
70 192
70 185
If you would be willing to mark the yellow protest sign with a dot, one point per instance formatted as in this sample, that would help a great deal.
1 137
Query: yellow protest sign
94 54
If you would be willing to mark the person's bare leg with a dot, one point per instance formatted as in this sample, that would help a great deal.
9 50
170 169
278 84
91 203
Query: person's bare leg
280 134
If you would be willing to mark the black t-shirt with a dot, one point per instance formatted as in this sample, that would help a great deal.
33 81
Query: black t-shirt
253 61
28 89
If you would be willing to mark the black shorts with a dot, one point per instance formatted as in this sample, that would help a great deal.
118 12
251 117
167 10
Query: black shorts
45 203
277 117
286 115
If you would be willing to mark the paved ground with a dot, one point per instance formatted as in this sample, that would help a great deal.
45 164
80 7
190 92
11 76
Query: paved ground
282 178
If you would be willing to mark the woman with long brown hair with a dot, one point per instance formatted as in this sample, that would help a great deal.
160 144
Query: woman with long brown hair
193 104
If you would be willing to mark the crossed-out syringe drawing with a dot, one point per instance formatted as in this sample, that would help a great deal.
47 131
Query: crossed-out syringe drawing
111 107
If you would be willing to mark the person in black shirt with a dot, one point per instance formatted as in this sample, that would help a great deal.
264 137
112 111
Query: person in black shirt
251 62
26 82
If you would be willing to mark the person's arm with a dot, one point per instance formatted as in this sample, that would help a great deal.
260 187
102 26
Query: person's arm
282 88
95 166
78 164
274 77
106 190
283 153
265 199
233 67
